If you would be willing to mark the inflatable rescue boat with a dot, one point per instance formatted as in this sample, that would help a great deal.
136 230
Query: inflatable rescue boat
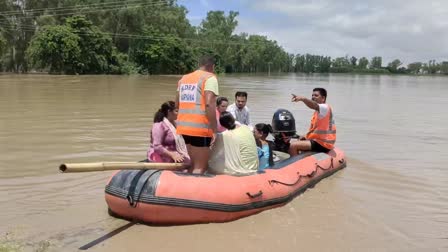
170 197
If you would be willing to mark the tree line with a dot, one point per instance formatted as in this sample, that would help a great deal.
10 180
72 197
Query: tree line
321 64
152 37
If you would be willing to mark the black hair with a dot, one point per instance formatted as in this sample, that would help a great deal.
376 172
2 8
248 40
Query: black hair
220 100
227 121
264 128
241 94
207 61
321 91
163 111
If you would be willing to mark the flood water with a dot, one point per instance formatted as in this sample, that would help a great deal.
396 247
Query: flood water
393 195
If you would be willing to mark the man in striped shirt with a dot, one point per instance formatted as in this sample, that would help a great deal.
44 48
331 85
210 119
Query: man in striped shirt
239 110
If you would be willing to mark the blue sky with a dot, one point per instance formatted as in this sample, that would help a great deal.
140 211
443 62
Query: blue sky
198 8
412 30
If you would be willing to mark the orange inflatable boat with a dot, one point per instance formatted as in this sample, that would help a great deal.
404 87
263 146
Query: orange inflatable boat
170 197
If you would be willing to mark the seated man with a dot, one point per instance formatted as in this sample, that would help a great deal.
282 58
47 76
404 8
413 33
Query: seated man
322 133
239 110
240 150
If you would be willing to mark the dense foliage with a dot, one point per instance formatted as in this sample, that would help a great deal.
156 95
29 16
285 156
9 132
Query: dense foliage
151 37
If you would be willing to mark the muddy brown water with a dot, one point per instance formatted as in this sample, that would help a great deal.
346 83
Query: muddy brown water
393 195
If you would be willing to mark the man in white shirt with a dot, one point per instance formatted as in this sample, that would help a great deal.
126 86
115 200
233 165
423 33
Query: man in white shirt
239 110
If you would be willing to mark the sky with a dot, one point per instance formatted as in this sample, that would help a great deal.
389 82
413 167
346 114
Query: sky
409 30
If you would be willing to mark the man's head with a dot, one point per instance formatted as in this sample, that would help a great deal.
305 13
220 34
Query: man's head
207 63
319 95
240 99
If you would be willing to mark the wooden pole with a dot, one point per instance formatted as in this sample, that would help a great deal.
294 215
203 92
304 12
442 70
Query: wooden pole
108 166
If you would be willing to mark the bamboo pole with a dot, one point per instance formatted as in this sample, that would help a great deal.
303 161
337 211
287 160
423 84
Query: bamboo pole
108 166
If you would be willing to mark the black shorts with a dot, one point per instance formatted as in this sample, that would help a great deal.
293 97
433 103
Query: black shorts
198 141
316 147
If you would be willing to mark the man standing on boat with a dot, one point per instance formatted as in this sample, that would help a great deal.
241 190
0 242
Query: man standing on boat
322 133
239 110
196 120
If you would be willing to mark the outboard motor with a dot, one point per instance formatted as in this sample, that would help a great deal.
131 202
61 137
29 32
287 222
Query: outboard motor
284 127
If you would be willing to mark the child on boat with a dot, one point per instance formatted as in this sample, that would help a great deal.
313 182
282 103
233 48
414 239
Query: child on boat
264 146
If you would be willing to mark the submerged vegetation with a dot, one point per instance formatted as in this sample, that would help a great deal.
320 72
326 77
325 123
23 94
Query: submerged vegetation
152 37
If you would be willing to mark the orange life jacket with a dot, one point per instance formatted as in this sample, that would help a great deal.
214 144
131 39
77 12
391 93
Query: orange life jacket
192 119
323 130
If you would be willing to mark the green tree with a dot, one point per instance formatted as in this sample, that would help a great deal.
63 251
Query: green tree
167 54
18 27
363 63
415 67
376 62
341 65
394 65
444 67
216 34
218 25
340 62
2 51
2 46
431 67
97 51
56 48
353 61
76 47
299 63
255 47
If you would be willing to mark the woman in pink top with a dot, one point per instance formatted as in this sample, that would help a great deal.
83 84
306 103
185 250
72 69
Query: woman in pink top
221 106
165 145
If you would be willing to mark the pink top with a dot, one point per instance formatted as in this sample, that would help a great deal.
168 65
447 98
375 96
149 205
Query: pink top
219 127
162 140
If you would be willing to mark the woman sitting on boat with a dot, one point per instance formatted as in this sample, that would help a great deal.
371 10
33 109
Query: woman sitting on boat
265 147
240 150
165 145
221 106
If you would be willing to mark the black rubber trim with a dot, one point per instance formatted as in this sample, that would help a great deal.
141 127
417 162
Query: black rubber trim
184 174
150 199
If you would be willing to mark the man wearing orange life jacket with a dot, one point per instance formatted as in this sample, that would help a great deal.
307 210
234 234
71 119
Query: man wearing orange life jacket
322 133
196 119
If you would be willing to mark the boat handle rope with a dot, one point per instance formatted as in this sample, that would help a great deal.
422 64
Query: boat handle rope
300 176
132 202
253 196
291 184
132 187
329 167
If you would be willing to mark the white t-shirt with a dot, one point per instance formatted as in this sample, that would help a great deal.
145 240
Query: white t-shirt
240 115
323 110
234 152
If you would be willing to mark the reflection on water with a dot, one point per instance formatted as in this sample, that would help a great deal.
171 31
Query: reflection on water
392 196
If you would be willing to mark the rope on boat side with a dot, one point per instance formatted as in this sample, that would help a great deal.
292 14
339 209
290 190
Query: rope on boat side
309 175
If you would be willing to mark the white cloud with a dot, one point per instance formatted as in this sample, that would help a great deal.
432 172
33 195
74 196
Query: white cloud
410 30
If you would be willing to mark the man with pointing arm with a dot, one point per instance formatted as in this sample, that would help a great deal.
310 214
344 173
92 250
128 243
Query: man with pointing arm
321 135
